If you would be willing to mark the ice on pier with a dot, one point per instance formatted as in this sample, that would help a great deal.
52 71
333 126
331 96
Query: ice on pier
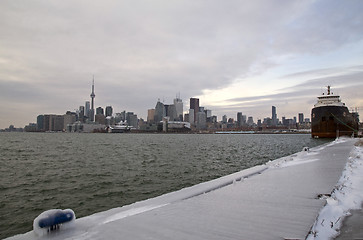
53 220
277 200
347 196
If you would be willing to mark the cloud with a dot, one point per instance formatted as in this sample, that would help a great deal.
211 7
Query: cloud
345 81
140 51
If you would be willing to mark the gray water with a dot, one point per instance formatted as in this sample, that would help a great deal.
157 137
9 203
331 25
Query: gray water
94 172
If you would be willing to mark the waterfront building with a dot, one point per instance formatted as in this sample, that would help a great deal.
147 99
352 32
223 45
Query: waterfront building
250 121
301 118
118 117
57 122
99 111
123 116
81 114
108 111
239 119
194 104
86 109
100 118
132 120
178 103
224 119
191 116
186 117
150 115
46 122
259 123
160 112
68 119
31 127
201 120
208 113
213 119
85 127
53 123
244 120
267 121
274 116
171 112
40 123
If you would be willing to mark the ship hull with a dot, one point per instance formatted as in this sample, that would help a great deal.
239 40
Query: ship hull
332 122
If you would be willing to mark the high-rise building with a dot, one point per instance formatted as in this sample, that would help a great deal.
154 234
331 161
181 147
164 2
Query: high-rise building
81 114
160 112
250 121
150 115
224 119
274 116
92 110
53 122
86 109
99 111
186 117
191 116
208 113
40 123
239 119
46 123
101 119
301 118
201 120
178 103
108 111
68 119
171 112
123 116
131 119
194 104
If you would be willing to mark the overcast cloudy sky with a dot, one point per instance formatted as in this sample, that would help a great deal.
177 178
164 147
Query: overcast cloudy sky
234 55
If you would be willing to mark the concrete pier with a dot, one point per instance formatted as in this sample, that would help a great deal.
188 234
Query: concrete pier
278 200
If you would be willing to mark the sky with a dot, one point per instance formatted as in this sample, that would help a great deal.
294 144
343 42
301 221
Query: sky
235 56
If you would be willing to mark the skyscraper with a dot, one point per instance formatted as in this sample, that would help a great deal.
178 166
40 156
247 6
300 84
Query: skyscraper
92 110
178 103
239 119
160 112
150 115
194 104
109 111
99 111
86 109
301 118
274 116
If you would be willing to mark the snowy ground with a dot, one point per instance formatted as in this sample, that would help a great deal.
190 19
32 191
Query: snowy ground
347 196
278 200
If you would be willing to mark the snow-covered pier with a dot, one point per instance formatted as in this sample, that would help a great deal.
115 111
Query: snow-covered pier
279 200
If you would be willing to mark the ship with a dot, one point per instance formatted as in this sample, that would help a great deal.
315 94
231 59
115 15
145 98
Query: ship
330 118
121 127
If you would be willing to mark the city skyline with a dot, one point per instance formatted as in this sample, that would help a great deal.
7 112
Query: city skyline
234 56
174 111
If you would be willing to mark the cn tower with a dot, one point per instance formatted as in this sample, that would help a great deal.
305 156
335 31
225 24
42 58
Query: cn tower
92 115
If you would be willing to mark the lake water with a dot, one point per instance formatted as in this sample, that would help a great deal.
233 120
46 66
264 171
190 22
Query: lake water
90 173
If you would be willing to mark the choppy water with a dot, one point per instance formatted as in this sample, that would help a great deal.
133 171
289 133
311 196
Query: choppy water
94 172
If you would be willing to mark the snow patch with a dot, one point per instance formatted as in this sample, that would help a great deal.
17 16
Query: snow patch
131 212
347 195
295 159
